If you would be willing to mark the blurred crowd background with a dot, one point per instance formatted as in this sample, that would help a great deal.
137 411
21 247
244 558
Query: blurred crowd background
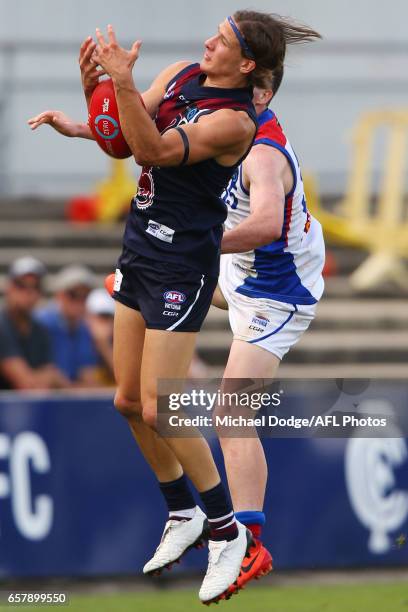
343 105
66 343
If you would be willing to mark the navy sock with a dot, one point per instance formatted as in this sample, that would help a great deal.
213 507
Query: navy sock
221 519
177 494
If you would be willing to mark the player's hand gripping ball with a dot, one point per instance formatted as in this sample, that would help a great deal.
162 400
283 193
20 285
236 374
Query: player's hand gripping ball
104 121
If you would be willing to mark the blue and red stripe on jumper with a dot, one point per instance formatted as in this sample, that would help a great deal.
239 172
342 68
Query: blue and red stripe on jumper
277 277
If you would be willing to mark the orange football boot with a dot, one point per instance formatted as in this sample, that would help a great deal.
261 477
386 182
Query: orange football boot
257 563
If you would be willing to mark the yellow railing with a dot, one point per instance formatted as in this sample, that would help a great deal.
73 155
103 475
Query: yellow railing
115 192
381 227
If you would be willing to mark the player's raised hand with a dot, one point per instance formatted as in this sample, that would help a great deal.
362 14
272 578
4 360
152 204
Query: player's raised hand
116 61
90 72
56 119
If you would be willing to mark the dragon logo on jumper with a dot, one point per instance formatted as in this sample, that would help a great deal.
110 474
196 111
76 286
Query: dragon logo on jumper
170 92
145 190
190 115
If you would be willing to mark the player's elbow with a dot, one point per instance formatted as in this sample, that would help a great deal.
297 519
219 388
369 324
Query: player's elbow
269 234
165 151
152 157
168 150
275 233
144 158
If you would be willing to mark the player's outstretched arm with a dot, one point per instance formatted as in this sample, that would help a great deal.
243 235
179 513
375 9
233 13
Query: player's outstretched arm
224 135
269 177
224 132
62 124
90 78
151 98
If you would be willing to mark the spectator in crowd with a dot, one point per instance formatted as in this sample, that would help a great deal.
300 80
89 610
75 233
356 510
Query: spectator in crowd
72 347
100 307
25 355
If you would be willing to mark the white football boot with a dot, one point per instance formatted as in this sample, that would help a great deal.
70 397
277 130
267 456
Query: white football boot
178 537
224 564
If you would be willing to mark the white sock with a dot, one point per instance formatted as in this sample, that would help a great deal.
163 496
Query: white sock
188 513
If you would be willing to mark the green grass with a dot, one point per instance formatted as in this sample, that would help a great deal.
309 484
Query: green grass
389 597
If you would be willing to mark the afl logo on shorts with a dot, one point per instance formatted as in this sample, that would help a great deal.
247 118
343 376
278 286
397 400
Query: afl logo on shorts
145 191
174 297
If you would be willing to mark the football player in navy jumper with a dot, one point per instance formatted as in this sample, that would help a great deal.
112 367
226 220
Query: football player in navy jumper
204 125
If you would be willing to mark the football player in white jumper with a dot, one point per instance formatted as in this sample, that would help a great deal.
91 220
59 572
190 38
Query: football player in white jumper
270 281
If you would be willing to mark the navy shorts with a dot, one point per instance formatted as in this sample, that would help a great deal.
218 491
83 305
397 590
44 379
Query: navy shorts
169 296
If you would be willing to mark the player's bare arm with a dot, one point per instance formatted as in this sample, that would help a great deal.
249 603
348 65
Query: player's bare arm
268 176
90 75
225 135
62 124
72 129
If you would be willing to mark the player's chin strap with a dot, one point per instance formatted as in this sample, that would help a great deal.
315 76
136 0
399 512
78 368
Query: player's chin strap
242 42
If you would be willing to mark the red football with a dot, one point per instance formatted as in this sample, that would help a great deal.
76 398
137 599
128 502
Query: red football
104 121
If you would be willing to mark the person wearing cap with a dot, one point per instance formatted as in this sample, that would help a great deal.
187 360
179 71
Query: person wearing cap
25 351
100 308
72 347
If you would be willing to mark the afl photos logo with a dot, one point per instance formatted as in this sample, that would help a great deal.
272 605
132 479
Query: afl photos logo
145 191
370 465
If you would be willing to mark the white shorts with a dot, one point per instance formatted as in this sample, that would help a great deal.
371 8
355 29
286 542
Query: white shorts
274 326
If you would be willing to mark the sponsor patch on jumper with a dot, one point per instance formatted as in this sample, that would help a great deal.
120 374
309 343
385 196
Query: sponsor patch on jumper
160 231
118 280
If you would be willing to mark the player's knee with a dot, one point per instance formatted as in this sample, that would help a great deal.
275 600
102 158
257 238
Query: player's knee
128 408
150 415
150 410
150 418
